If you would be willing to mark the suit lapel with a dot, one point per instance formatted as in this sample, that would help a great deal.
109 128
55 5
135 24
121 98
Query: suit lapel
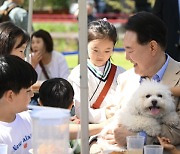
172 74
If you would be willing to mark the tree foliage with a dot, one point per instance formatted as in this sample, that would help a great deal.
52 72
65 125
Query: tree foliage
49 4
125 6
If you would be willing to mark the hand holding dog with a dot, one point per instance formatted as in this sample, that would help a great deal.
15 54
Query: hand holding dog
120 134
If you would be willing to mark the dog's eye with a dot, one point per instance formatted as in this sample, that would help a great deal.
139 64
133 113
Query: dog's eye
147 96
159 95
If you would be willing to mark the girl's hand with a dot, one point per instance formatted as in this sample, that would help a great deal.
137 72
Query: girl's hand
75 119
166 143
35 58
110 112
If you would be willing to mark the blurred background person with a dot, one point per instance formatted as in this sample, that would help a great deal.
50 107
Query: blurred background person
169 12
100 6
47 62
17 15
91 11
142 5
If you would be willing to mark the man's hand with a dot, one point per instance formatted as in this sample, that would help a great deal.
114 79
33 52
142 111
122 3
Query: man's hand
120 134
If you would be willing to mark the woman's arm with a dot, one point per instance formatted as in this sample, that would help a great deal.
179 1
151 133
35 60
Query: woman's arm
93 128
75 128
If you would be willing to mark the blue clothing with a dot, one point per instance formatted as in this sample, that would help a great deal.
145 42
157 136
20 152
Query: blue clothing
158 76
17 15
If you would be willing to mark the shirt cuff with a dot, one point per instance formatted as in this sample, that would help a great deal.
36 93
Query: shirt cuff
144 134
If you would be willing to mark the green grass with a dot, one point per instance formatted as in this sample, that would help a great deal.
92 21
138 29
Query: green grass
56 27
72 60
65 45
118 58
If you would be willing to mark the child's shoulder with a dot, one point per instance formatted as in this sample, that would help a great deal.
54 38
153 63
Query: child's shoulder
25 115
21 119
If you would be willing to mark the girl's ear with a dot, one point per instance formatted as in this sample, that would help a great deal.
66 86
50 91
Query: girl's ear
153 46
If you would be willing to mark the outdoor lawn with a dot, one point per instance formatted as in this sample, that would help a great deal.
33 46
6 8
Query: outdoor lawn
118 58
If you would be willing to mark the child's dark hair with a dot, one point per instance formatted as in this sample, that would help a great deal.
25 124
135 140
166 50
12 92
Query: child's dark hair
102 29
9 33
46 37
56 92
15 74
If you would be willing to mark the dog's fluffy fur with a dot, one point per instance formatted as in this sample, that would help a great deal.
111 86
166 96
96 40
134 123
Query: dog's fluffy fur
150 106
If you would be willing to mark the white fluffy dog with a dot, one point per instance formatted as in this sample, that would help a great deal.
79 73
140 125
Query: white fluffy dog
149 107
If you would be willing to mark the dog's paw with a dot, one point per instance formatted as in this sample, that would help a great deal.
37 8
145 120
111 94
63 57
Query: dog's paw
171 119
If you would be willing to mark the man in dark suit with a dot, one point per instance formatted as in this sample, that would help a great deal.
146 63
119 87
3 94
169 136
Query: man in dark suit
142 5
169 12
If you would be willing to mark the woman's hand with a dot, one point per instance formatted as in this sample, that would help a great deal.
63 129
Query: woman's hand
35 58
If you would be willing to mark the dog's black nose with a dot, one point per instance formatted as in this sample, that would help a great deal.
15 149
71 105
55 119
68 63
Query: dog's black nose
154 102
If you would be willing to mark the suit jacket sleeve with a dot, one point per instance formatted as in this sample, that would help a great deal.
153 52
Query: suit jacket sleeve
173 133
157 9
172 79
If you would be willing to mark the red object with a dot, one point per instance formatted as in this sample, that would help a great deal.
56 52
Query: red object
106 87
25 145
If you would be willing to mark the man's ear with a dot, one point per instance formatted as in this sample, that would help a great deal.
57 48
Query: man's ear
154 47
9 95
